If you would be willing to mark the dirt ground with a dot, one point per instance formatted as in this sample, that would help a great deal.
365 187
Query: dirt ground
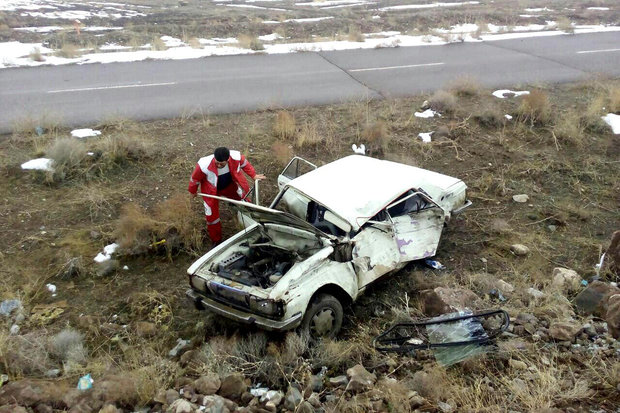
571 179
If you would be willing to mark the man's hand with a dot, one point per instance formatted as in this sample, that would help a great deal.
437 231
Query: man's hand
258 177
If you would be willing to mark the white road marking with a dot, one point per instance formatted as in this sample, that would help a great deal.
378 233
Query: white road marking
395 67
598 51
111 87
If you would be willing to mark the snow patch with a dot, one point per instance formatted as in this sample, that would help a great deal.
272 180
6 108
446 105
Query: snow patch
428 113
170 41
613 120
106 255
270 37
503 92
84 133
426 137
428 6
598 8
537 9
39 164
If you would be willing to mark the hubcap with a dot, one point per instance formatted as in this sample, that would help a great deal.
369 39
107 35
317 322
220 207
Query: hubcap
323 322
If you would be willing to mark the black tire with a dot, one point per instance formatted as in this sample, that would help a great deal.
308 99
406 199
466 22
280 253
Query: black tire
323 318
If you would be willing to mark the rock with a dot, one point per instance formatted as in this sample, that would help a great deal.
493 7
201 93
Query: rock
207 385
589 329
178 349
525 318
31 393
107 267
415 400
218 404
360 379
110 408
505 287
315 383
593 300
293 398
145 329
519 250
517 364
425 105
13 409
44 408
338 381
613 315
443 300
521 198
274 396
566 279
535 293
8 306
520 387
613 252
445 407
563 331
95 235
171 396
314 400
233 386
305 407
180 406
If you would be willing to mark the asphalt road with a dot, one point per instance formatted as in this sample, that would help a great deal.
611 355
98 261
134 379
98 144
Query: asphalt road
80 95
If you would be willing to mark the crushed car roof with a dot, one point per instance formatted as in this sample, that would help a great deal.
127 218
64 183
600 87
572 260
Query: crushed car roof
357 187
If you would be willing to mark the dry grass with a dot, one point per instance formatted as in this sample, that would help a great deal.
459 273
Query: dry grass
194 43
535 108
122 148
355 34
158 44
377 137
68 347
308 135
569 128
284 125
281 152
466 86
564 24
614 99
151 306
443 101
36 56
247 41
68 154
25 355
69 51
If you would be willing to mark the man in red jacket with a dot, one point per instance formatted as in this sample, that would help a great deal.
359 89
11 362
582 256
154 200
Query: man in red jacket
220 174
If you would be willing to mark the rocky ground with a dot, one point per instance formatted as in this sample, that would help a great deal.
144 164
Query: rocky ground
545 192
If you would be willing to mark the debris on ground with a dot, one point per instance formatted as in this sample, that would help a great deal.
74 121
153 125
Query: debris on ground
107 253
434 264
85 133
506 93
361 150
85 382
8 306
39 164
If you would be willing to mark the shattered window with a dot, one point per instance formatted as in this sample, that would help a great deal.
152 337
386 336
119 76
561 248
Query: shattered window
297 167
413 204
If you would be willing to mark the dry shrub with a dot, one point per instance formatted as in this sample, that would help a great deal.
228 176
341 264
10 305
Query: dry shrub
308 135
535 108
282 152
355 34
490 117
377 136
67 154
35 55
284 125
173 220
119 149
25 355
564 24
158 44
443 101
152 306
569 128
247 41
335 355
194 43
68 347
68 51
145 373
465 86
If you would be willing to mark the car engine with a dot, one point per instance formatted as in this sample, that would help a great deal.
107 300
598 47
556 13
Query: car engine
263 265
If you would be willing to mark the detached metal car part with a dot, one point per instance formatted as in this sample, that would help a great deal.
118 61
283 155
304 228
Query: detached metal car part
328 234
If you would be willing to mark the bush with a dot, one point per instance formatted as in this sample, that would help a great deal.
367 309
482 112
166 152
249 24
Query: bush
25 355
68 51
119 149
158 44
376 136
535 108
36 55
355 34
67 154
569 128
284 125
564 24
490 117
250 42
308 135
282 152
443 101
68 347
194 43
614 100
465 86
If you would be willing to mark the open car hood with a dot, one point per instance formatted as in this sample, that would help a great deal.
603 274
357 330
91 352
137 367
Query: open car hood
263 215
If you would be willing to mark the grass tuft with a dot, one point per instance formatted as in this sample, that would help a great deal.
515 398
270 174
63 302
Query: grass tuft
443 101
465 86
36 56
247 41
158 44
284 125
535 108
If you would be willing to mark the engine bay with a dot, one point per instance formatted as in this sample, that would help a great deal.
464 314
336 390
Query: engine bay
260 263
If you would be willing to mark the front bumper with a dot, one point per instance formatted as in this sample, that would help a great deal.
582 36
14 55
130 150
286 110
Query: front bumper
202 302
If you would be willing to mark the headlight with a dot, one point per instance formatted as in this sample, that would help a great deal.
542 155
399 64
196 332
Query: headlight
266 306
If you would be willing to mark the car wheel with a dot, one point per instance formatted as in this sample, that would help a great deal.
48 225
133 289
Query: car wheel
323 318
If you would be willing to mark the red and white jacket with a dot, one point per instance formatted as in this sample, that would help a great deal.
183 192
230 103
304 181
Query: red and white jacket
205 175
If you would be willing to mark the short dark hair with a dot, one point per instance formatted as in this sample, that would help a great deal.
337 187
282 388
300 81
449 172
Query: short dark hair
221 154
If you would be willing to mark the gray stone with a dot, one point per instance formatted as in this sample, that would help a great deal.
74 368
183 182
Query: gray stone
517 364
566 279
208 384
360 379
520 198
445 407
316 383
171 396
180 406
314 400
519 250
338 381
8 306
525 318
305 407
274 396
613 315
293 398
593 300
535 293
216 404
52 373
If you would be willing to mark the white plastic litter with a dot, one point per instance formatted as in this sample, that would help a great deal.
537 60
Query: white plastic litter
85 133
39 164
51 288
360 150
125 267
502 92
508 116
428 113
108 250
611 119
260 392
426 137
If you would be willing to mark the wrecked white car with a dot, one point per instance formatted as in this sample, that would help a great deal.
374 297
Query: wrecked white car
327 235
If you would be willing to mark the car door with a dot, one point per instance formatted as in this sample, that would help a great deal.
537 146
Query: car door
295 168
417 222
